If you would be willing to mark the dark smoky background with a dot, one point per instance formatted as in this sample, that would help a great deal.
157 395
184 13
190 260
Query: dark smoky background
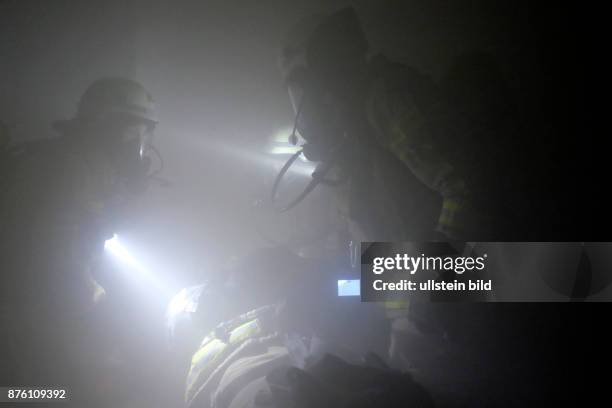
212 68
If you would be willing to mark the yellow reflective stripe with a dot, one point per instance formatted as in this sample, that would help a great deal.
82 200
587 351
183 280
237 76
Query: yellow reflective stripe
396 304
447 220
244 331
451 207
214 351
200 361
207 352
451 204
395 308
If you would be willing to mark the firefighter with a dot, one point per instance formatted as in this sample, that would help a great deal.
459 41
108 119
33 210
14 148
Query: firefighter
63 199
377 124
380 122
387 138
275 326
413 160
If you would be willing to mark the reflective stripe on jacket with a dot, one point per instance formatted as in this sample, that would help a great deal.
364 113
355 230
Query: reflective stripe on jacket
249 334
408 116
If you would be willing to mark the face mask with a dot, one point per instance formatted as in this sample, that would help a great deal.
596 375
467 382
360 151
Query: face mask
320 121
319 118
127 142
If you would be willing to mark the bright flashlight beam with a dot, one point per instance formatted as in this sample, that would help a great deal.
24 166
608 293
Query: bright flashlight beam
268 160
114 247
275 155
288 150
280 144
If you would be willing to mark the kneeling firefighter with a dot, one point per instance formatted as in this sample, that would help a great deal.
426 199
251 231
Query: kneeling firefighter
281 348
263 359
64 197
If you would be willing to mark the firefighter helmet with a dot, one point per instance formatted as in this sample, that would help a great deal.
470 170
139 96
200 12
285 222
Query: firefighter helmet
110 97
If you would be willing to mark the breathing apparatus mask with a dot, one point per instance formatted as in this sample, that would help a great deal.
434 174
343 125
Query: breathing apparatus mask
320 124
127 142
318 64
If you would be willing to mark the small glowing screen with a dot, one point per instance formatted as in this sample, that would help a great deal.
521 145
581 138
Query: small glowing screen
350 287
